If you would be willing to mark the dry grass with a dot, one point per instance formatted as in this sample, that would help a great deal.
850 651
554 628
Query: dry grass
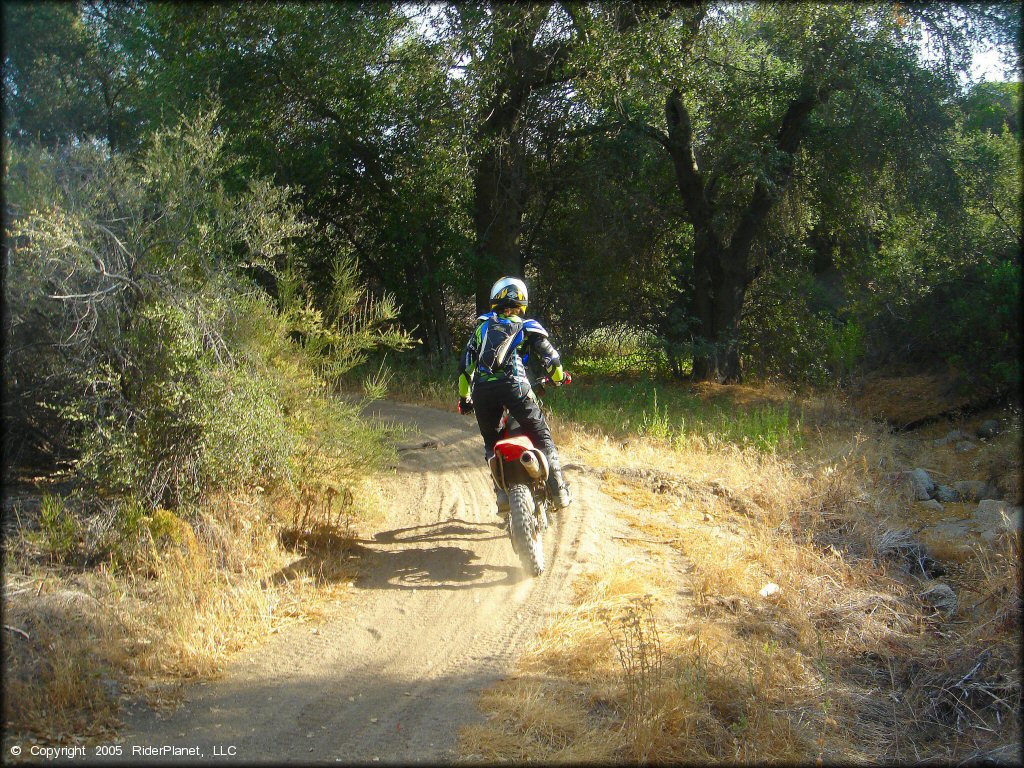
78 639
858 657
903 400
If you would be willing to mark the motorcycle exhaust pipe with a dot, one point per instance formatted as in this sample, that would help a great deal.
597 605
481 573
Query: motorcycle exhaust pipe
531 465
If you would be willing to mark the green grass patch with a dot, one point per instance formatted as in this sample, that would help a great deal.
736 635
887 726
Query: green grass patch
615 406
671 412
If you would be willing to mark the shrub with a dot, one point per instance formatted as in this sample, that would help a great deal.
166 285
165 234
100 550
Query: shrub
783 333
139 346
980 332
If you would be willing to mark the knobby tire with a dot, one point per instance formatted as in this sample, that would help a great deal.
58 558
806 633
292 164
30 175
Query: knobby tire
525 530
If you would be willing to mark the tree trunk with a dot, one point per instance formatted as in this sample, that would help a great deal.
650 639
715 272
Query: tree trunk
440 343
499 192
720 285
499 177
722 262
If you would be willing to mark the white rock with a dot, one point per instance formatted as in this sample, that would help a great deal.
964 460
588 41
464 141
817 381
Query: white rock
933 505
771 591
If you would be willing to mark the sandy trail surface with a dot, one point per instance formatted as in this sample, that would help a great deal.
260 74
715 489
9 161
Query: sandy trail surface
441 611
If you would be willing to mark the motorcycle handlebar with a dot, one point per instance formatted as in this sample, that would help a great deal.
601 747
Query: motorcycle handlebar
546 381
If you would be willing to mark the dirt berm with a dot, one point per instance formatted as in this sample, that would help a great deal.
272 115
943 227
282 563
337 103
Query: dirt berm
441 611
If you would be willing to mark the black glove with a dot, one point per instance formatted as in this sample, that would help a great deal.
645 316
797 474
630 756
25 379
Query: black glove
465 406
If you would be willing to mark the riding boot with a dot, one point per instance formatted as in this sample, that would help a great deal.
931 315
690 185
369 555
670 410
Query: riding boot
558 490
501 497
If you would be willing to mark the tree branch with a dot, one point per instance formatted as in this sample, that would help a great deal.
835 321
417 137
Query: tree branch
639 126
767 190
356 148
689 177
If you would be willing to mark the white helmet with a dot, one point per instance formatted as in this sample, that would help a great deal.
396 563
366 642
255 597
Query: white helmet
509 292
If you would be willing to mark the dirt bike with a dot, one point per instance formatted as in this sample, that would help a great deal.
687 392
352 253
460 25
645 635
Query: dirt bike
521 470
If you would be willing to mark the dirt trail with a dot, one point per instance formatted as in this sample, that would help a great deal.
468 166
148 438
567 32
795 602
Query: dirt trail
442 612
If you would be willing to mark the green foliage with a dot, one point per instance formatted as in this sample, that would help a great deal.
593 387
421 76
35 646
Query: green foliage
381 115
617 349
980 333
937 285
993 107
127 537
844 347
786 334
339 337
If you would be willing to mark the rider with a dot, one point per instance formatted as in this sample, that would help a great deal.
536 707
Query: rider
492 376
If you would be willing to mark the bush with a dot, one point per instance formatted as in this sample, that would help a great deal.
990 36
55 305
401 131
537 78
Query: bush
980 329
139 347
618 349
783 334
58 527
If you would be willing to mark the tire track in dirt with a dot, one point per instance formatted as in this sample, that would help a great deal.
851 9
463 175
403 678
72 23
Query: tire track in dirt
441 611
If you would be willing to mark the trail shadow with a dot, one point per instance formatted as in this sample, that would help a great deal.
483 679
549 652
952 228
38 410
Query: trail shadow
304 719
437 568
442 567
415 567
449 530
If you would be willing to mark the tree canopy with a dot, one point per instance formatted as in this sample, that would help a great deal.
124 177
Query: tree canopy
763 189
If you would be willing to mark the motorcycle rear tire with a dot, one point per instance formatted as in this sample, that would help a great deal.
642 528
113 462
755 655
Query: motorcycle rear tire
524 529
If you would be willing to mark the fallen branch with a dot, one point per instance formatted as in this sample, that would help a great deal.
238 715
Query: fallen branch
649 541
17 631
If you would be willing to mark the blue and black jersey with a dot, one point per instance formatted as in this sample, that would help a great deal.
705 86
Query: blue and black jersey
501 346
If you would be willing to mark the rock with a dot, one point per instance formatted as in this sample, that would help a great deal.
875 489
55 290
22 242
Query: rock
771 591
932 504
945 494
941 597
922 484
964 446
971 490
989 429
993 517
902 546
111 687
991 492
952 437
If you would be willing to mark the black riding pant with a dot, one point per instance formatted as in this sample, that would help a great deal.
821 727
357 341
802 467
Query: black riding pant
491 397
